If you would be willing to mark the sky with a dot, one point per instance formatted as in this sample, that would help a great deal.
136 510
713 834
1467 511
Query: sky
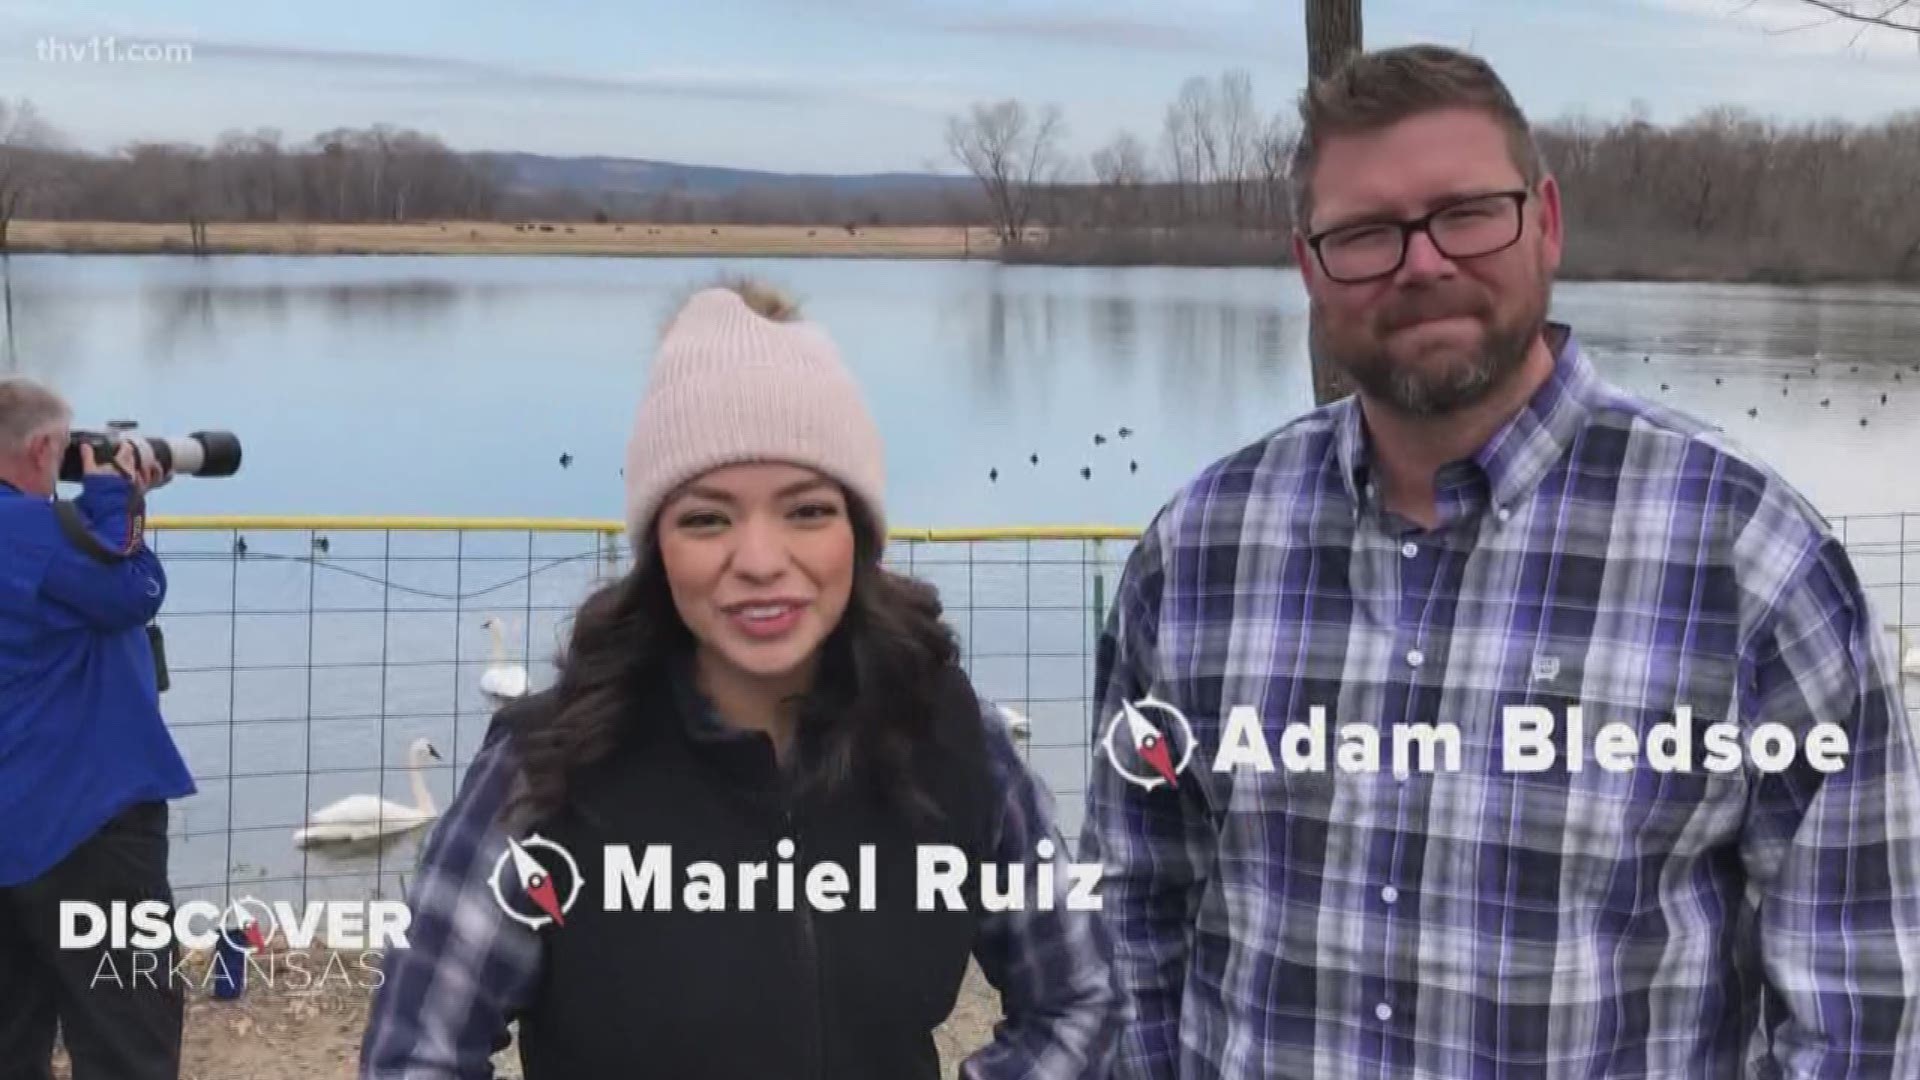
851 86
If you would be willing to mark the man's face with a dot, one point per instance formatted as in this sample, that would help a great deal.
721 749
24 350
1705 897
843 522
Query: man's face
1439 333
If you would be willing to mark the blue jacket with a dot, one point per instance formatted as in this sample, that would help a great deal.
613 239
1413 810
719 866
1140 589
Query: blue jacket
81 735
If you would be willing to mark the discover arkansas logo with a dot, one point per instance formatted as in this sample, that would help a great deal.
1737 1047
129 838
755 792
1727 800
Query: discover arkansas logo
1149 751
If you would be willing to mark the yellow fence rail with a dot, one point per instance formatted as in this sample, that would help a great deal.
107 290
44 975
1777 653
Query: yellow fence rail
265 522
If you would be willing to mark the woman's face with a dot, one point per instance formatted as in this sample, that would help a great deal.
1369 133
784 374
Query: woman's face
759 558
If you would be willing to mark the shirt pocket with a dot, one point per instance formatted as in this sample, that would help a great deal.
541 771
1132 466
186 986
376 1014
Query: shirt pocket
1629 805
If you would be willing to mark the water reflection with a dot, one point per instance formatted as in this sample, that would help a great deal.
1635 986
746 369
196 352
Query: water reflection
189 316
1114 324
1201 356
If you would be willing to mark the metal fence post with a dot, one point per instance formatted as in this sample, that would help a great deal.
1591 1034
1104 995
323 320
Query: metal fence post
1099 587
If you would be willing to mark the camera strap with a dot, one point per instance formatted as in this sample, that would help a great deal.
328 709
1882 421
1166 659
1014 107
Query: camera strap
82 537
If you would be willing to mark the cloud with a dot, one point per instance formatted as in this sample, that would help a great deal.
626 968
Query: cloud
1201 32
1105 30
400 72
445 72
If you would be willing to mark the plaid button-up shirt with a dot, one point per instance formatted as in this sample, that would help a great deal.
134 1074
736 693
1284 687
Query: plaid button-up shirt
1480 921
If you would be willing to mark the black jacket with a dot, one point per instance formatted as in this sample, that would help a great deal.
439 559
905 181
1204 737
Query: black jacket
802 992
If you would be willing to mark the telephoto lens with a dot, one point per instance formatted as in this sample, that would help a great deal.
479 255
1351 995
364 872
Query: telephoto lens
201 453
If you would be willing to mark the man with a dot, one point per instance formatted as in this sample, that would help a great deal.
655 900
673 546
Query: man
1485 530
86 763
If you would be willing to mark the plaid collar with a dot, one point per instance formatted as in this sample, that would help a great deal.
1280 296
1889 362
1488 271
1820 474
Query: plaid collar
1507 468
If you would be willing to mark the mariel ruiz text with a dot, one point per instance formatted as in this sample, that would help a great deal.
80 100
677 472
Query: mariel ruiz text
942 876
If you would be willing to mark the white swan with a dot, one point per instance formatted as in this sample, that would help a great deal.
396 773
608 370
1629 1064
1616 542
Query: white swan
502 682
1018 725
367 817
1909 655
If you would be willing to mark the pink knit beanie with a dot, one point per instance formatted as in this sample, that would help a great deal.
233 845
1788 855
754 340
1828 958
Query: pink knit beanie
730 385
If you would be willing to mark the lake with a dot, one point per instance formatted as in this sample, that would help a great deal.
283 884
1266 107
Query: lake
452 386
444 385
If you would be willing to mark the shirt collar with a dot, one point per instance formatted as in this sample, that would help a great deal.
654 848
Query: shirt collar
1512 462
697 710
699 716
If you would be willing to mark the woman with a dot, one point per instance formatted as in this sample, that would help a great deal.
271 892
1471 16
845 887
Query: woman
758 690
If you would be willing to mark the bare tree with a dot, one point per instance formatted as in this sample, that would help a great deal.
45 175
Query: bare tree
1239 135
1272 152
1333 34
167 182
27 161
1890 14
1121 170
1011 153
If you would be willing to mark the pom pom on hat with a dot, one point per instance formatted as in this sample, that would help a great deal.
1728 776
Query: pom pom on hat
737 378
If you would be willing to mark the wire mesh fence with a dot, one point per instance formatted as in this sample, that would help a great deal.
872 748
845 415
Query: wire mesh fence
313 663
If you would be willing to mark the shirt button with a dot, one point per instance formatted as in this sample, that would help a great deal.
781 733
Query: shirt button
1389 894
1415 658
1409 549
1383 1010
1503 513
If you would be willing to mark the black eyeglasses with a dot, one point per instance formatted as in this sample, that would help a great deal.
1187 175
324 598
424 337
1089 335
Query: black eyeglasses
1464 229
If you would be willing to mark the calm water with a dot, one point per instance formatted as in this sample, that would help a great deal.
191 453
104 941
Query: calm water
452 386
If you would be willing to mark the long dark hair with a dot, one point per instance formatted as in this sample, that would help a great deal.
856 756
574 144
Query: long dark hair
879 692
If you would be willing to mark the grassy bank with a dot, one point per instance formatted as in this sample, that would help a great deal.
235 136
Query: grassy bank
1592 254
1154 247
504 238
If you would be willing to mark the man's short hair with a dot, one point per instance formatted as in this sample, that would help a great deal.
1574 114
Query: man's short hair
26 410
1373 91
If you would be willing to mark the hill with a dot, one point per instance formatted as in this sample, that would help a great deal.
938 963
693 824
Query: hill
523 174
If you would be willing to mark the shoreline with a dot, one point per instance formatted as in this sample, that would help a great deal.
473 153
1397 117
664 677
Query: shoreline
629 239
641 240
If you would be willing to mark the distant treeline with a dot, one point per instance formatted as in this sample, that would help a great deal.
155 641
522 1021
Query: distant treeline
1725 195
811 203
388 174
1728 195
377 174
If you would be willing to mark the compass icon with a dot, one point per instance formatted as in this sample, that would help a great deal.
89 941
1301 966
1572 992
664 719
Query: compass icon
532 879
1151 744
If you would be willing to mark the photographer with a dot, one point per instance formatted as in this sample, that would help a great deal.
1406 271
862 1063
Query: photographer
86 762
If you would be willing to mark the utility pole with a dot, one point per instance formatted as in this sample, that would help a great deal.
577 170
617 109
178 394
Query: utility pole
1333 34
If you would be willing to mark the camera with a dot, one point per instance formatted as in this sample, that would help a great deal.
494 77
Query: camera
202 453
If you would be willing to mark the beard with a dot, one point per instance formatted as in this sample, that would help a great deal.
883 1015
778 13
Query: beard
1446 378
